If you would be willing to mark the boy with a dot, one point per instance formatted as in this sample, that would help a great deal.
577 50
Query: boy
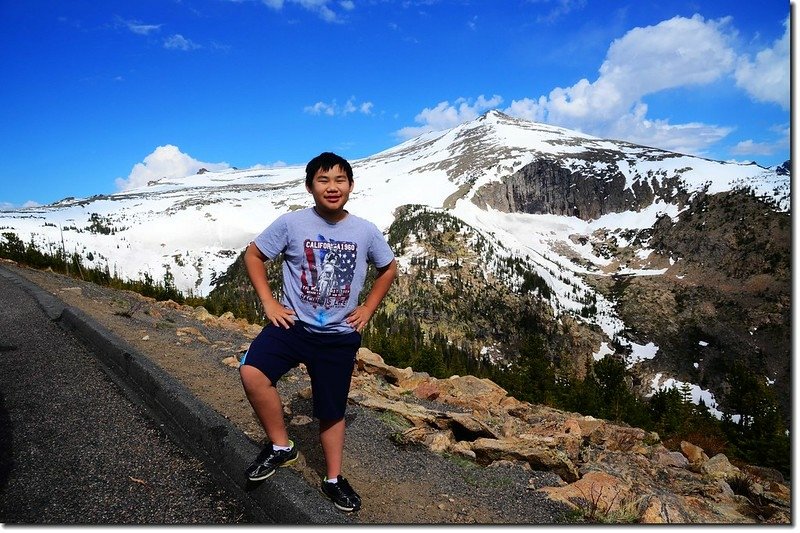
318 322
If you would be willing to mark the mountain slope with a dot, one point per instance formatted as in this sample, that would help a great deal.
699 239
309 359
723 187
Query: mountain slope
564 229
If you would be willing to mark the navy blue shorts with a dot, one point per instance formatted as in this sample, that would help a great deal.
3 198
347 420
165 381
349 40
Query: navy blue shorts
329 358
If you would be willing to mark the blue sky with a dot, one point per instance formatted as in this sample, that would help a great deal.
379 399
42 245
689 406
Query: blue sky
101 96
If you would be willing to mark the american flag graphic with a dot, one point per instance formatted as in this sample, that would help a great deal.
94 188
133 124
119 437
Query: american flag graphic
328 272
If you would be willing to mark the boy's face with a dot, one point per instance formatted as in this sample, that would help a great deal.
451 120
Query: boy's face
331 189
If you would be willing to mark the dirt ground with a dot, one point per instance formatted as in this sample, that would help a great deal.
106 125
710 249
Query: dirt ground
399 485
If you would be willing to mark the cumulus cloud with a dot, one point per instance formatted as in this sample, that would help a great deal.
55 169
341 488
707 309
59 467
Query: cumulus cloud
165 162
446 115
332 109
679 52
750 147
179 42
766 78
676 53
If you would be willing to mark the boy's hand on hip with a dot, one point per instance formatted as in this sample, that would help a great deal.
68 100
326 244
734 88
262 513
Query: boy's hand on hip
359 317
280 315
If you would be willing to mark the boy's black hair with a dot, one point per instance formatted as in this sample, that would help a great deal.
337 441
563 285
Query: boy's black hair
326 161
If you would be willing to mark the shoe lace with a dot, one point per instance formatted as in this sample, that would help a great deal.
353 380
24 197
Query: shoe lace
269 453
345 490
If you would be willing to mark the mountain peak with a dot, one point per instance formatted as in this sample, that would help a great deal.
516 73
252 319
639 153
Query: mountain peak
494 114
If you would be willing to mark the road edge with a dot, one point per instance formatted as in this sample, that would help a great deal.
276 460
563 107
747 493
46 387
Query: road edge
286 498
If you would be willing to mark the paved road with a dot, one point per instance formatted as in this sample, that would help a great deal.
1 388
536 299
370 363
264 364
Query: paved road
74 449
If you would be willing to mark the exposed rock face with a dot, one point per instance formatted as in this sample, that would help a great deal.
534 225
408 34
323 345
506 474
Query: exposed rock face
724 298
546 187
610 472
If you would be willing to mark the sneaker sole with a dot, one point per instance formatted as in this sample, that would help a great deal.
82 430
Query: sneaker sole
346 509
340 507
268 474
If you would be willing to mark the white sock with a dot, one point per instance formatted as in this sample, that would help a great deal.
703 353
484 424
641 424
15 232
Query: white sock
334 480
283 448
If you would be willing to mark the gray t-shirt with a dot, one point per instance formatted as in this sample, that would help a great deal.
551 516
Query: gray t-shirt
324 265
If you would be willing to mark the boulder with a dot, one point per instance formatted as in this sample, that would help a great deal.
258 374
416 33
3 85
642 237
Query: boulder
372 363
464 426
668 458
694 454
596 492
719 467
475 393
763 473
537 456
416 414
201 313
589 424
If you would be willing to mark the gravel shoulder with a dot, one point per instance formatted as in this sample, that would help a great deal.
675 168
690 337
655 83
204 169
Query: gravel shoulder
399 484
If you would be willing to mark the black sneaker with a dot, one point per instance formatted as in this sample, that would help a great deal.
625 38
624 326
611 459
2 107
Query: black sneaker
342 495
269 460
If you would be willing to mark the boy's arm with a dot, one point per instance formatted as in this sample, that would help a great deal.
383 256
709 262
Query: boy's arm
278 314
361 314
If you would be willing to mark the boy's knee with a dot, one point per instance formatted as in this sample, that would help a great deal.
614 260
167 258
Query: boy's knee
251 376
329 423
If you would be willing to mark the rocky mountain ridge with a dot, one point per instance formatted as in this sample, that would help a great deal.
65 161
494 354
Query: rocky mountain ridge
620 472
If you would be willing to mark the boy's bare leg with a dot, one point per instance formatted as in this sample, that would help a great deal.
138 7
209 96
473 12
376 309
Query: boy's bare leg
331 436
264 398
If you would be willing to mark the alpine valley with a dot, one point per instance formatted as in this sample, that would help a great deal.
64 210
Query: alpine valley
511 236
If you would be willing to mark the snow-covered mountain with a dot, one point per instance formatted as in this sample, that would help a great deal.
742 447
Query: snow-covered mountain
557 198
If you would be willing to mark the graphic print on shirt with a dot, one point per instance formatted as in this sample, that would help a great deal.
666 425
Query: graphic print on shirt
327 272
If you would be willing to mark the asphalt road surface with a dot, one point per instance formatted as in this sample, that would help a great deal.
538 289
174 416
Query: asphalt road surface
74 449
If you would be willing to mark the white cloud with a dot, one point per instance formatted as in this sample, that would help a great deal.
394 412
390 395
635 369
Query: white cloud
136 26
679 52
350 106
179 42
276 164
766 78
320 108
750 147
142 29
445 115
320 7
165 162
8 206
781 140
689 138
562 7
674 53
